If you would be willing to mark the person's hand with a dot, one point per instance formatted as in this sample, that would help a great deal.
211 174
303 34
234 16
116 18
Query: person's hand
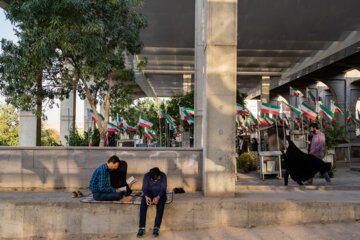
308 142
130 185
148 200
156 200
118 190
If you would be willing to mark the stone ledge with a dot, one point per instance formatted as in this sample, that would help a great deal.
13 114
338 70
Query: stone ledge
56 214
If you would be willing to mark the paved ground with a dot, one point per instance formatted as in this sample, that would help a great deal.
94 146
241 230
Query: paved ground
343 177
336 231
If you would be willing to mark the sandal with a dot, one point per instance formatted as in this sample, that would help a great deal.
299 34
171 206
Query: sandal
79 194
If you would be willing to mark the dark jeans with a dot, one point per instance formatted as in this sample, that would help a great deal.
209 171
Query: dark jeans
102 196
159 211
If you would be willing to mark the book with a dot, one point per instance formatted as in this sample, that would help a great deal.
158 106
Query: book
122 189
131 180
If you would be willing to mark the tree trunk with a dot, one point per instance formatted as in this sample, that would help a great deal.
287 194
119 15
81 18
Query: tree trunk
93 107
38 110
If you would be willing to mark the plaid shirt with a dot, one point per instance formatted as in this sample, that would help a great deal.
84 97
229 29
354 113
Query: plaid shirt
100 180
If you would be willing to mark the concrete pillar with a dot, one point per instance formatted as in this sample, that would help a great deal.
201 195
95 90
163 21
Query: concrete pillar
265 89
338 86
87 122
220 98
27 129
199 72
66 117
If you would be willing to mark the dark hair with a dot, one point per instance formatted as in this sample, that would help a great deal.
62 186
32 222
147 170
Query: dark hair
154 173
114 159
314 125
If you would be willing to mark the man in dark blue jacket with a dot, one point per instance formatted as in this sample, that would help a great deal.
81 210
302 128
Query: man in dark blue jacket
154 189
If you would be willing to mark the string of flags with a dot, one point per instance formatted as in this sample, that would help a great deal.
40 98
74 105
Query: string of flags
245 120
302 115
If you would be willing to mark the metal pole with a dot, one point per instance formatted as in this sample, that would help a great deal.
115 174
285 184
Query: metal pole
160 132
277 135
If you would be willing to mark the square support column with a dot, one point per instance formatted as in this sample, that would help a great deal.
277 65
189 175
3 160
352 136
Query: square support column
199 72
27 129
219 89
66 117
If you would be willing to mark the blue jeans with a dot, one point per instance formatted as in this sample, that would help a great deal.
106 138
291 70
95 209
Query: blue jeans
102 196
159 211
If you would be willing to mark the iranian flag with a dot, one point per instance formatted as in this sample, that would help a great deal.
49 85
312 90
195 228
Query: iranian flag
184 115
270 109
290 108
112 128
130 127
240 109
337 108
325 111
270 120
253 120
144 123
92 116
190 111
308 111
263 121
354 119
119 122
295 92
311 96
149 134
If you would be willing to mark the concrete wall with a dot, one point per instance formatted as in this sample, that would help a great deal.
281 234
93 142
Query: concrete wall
52 218
72 167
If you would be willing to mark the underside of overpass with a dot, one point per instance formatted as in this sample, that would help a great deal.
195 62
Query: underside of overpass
284 39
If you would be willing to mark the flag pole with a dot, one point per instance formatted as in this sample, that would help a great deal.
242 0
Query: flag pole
277 135
160 130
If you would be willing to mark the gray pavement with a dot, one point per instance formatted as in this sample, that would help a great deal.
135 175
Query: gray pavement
335 231
343 177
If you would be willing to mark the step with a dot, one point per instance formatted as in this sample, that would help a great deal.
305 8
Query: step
56 214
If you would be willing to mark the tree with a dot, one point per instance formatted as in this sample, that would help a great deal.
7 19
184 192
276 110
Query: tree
49 137
88 41
9 126
29 71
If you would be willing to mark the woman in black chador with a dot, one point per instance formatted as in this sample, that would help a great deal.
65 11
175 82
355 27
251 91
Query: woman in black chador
301 166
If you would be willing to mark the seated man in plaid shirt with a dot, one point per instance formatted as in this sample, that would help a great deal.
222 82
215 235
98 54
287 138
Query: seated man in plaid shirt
100 184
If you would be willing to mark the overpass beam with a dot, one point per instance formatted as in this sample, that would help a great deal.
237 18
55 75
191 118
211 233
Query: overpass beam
219 102
265 89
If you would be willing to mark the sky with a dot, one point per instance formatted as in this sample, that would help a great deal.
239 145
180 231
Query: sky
53 115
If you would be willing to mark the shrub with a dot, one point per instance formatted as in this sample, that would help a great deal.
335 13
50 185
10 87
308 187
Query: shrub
245 162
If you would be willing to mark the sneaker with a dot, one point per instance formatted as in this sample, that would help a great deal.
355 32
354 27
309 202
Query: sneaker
141 232
156 232
74 195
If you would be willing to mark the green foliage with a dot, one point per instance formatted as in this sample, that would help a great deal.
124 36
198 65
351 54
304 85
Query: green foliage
245 162
84 42
76 139
9 126
177 101
49 137
335 134
240 97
